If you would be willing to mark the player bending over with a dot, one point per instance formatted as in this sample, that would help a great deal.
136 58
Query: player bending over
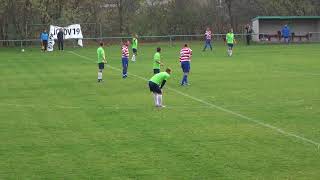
101 61
134 47
230 41
157 61
125 59
185 58
156 84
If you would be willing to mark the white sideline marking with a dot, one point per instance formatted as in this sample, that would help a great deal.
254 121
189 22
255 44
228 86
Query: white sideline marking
279 130
102 107
297 73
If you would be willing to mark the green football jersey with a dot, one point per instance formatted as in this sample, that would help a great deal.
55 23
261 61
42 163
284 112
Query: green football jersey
158 78
156 58
134 43
101 54
230 38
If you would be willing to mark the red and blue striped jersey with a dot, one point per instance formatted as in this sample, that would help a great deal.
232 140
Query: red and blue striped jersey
185 54
208 35
125 51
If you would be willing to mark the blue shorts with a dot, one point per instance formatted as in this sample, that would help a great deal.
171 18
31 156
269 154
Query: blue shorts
185 65
154 88
125 61
230 45
101 65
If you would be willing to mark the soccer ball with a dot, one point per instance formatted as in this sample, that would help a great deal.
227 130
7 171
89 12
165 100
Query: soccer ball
22 50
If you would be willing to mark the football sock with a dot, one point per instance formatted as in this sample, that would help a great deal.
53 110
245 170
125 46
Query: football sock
155 99
184 79
133 57
99 75
159 99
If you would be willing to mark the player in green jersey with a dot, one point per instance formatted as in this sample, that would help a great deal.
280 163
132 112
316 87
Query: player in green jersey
134 47
230 41
101 61
156 84
157 61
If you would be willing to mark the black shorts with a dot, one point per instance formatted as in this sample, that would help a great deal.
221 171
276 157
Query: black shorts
135 51
230 45
156 71
101 65
154 87
45 44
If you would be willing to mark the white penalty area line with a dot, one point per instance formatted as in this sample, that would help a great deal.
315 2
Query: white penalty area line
279 130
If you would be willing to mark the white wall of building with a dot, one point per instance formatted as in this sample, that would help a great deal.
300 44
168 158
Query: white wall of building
255 28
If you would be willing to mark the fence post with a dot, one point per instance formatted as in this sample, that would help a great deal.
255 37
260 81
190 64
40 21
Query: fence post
170 39
100 26
26 30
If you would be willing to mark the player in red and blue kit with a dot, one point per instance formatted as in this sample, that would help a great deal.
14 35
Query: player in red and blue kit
208 36
125 59
185 58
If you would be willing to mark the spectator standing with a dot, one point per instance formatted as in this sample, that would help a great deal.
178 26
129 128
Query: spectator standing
44 40
60 37
286 34
248 33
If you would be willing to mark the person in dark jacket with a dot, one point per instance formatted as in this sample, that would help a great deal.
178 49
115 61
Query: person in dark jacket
60 37
248 33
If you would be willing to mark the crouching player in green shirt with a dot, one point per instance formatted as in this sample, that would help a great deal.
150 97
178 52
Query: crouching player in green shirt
157 61
156 84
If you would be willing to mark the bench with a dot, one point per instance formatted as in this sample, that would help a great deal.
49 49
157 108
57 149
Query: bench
268 37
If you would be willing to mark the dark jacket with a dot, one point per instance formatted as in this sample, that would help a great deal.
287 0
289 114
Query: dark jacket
60 35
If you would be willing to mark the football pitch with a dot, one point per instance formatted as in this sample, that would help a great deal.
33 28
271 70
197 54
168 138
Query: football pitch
255 115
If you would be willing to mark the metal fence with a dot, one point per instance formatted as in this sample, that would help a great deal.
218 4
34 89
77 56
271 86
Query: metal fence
168 39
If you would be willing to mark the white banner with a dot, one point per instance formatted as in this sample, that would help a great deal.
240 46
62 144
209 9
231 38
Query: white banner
70 32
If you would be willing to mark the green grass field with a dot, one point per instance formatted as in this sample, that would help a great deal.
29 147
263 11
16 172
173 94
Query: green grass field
252 116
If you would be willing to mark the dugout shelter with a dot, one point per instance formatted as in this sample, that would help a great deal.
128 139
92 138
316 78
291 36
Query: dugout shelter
302 28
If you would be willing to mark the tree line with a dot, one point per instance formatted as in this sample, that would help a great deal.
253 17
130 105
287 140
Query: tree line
20 19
